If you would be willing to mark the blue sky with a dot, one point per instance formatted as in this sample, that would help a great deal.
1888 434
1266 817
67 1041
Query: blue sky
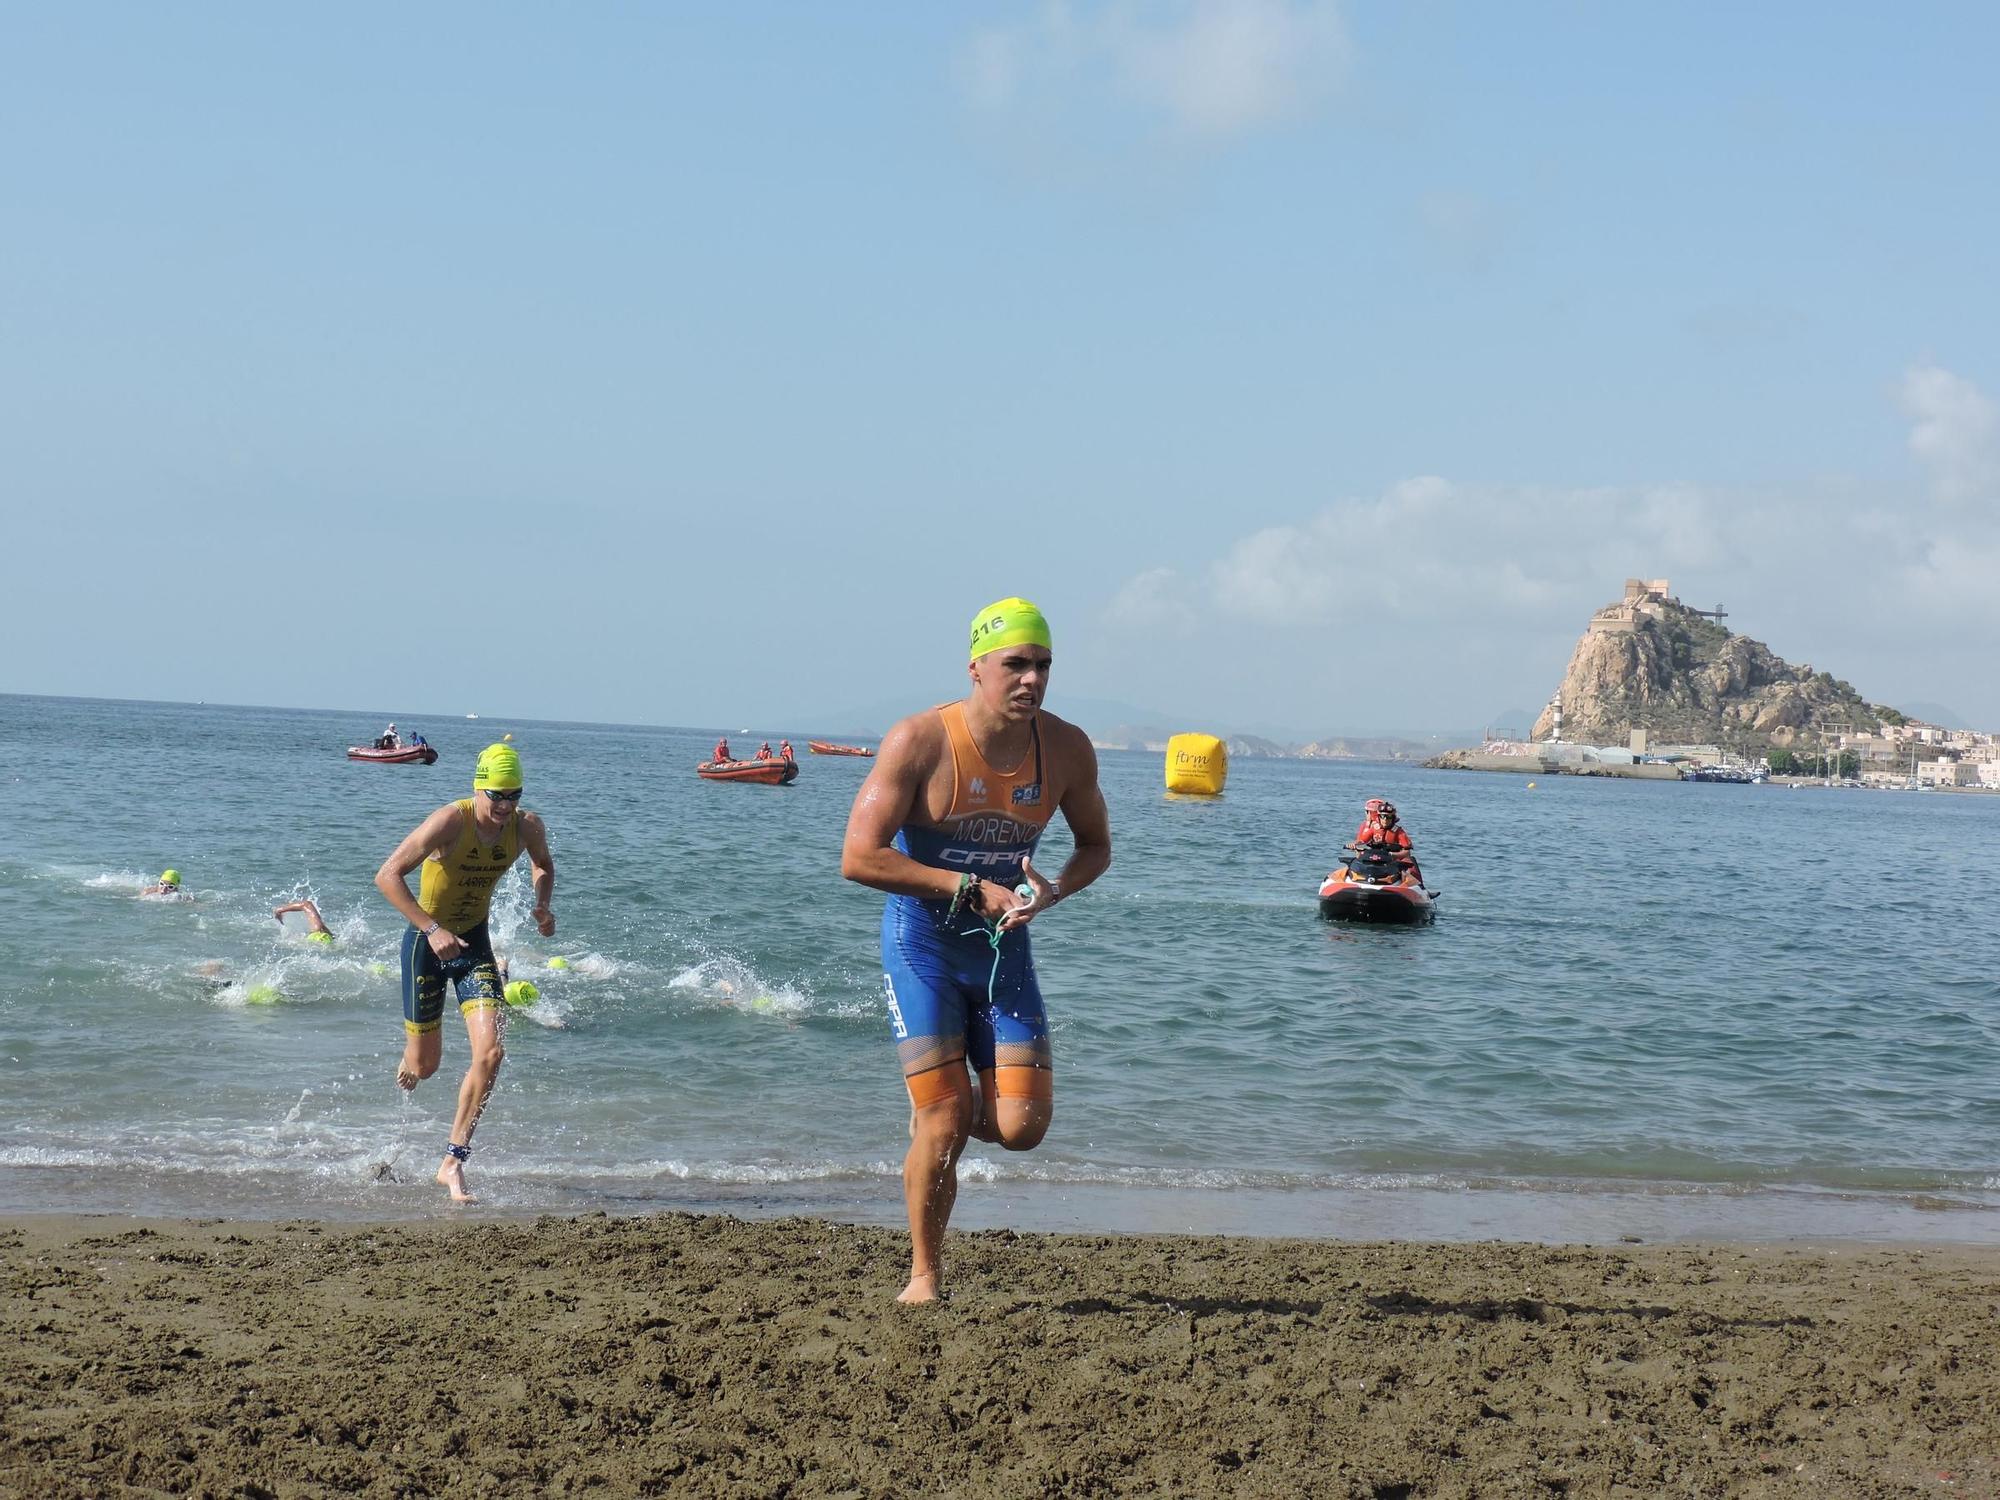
1312 365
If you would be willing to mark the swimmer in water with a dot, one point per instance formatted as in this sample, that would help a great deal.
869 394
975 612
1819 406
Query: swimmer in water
316 929
169 886
945 824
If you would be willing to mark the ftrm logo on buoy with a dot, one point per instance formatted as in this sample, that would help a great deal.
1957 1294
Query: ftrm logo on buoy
1197 764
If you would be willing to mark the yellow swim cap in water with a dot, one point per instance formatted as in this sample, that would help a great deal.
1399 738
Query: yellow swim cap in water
320 937
262 994
521 992
558 962
170 877
499 770
1008 622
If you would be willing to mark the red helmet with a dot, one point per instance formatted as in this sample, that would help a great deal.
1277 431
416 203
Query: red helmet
1375 805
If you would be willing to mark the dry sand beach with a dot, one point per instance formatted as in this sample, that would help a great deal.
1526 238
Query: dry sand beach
713 1356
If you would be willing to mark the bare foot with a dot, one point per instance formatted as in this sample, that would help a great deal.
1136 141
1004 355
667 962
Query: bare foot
452 1175
923 1287
407 1076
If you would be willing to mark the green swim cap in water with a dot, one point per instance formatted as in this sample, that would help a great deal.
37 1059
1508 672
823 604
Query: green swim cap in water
498 770
558 962
170 877
1008 622
320 937
521 992
262 994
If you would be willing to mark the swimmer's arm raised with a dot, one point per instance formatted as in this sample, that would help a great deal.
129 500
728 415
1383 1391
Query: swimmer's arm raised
314 921
542 866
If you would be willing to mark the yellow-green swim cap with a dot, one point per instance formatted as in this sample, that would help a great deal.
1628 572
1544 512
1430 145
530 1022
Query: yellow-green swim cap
521 992
320 937
499 770
170 877
1008 622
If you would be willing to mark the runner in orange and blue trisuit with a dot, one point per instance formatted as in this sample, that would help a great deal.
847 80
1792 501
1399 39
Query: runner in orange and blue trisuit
946 823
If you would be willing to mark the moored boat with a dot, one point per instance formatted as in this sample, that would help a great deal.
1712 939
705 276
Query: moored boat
762 772
402 755
827 747
1373 886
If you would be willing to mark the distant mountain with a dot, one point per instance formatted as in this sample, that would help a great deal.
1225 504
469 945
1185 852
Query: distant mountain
1932 713
1112 724
1093 715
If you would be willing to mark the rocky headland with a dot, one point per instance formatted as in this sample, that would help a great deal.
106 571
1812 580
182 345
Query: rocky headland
1649 662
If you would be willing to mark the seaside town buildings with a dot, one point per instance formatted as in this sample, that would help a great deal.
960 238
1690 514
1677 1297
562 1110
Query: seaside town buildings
1926 754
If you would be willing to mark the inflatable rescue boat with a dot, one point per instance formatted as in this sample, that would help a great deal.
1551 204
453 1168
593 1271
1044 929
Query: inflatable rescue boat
402 755
762 772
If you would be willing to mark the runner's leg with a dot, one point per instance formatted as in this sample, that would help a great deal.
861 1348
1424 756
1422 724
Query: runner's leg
479 1001
1008 1042
943 1099
423 1008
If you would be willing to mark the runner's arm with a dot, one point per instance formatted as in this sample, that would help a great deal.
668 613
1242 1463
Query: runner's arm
542 866
429 836
1088 818
886 801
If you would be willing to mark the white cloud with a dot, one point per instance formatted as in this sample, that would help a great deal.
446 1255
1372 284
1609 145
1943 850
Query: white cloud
1155 597
1448 550
1477 591
1212 68
1467 229
1956 435
1956 583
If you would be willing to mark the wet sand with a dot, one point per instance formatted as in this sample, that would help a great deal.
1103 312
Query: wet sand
711 1356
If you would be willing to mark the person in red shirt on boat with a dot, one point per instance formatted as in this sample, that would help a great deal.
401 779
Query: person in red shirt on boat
721 750
1380 825
785 750
764 751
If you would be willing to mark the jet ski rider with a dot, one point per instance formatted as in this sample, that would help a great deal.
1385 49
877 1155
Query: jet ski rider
1379 825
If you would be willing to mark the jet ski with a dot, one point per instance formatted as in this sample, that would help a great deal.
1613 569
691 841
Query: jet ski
1374 885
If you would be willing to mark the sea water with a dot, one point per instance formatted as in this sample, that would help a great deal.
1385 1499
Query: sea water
1645 1008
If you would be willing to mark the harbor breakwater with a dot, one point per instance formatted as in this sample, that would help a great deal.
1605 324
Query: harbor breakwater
1549 765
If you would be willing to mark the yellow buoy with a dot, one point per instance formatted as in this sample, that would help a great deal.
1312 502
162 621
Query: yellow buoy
1197 763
